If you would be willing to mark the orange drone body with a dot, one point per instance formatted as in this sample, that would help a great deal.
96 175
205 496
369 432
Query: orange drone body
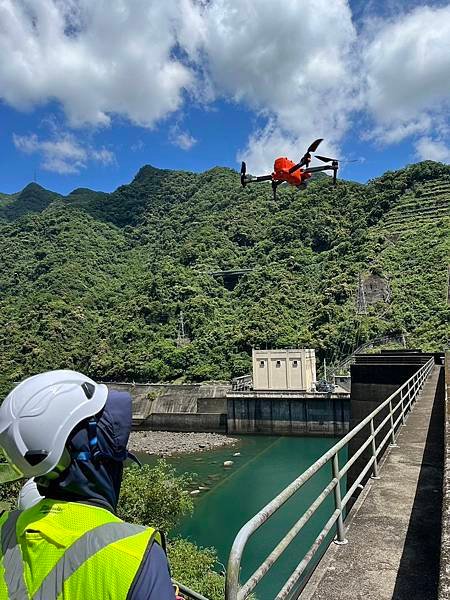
281 168
296 174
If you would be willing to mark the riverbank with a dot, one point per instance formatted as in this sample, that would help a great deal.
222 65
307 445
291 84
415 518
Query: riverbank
168 443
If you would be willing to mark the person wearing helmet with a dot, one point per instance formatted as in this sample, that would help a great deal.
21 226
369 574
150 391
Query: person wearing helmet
70 434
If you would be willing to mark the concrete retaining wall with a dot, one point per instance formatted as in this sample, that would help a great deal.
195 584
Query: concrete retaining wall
151 398
195 407
202 422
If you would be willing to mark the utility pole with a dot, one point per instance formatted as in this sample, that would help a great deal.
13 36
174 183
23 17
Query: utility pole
182 338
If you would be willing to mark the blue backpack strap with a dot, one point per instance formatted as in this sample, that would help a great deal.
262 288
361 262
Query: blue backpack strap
94 454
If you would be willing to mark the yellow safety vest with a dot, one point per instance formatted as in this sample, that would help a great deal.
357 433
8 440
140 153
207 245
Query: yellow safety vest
67 550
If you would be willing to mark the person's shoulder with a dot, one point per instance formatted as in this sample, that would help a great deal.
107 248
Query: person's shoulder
138 542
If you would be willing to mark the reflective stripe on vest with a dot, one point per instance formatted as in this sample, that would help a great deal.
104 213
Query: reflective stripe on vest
12 559
74 557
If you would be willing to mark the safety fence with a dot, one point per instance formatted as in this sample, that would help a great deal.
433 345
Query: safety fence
396 406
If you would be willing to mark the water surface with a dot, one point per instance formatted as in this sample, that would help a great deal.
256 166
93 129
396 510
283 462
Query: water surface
265 466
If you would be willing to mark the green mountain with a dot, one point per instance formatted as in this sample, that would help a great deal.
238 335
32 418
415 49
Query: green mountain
98 281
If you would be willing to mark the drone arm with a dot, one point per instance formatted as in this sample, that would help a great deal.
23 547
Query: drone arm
317 169
333 167
304 162
252 179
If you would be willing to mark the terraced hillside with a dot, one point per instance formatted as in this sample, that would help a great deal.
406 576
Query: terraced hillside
425 203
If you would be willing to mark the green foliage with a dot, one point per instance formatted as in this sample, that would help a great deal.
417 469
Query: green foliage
97 281
159 497
154 496
195 568
9 493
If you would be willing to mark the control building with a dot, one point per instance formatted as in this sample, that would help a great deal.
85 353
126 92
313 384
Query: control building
292 369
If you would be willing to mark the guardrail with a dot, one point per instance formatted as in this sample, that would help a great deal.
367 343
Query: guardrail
188 593
400 402
244 382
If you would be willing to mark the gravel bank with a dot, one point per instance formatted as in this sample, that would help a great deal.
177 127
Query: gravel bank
166 443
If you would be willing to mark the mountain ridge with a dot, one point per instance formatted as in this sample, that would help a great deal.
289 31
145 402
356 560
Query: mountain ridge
96 281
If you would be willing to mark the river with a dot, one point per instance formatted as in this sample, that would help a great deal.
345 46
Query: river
264 467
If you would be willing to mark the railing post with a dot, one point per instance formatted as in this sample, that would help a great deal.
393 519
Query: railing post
403 407
374 452
392 444
341 539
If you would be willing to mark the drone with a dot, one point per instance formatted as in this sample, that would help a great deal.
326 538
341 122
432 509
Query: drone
295 174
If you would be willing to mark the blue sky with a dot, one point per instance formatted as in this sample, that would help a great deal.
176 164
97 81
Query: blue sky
90 92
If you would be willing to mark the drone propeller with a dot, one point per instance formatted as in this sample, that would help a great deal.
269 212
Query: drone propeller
314 145
327 159
243 174
306 158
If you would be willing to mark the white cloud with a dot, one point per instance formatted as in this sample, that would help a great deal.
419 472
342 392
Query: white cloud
98 59
407 62
62 153
397 132
432 149
182 139
295 65
303 68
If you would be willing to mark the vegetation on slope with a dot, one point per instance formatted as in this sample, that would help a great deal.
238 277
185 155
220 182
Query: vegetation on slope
97 281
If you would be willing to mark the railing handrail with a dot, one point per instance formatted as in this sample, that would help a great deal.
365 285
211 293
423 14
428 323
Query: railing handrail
233 590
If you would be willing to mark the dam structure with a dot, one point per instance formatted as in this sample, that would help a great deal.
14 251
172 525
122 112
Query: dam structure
279 398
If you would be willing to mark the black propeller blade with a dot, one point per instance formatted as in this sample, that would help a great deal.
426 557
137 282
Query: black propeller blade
314 145
325 159
243 174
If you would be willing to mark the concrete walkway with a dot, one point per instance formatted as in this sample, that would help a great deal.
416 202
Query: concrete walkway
394 535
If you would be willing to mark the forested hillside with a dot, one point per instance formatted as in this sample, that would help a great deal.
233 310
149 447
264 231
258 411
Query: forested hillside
97 281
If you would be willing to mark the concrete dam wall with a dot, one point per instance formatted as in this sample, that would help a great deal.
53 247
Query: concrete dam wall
215 408
195 407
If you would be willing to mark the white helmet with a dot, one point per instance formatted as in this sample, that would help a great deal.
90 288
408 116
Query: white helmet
36 419
28 495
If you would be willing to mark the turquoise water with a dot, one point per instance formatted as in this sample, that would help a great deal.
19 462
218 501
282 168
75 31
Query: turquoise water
265 466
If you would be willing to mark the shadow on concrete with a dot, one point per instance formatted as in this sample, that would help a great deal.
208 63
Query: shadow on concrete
418 574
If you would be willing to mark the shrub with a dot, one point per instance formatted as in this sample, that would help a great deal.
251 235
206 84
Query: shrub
154 496
194 567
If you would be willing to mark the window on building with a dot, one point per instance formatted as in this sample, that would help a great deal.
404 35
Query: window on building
295 363
278 365
261 364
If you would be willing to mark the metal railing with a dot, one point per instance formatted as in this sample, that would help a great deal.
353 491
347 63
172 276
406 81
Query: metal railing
187 592
400 402
242 383
378 341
